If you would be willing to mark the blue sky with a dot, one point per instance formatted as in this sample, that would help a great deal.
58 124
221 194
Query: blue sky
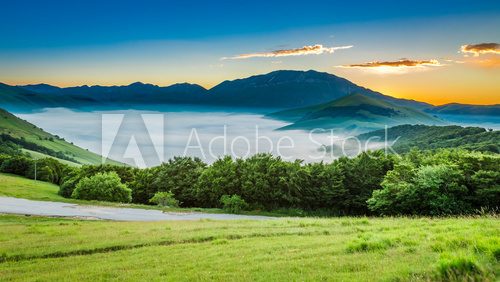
162 42
26 24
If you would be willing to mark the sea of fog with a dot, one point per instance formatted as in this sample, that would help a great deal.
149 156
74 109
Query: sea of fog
149 136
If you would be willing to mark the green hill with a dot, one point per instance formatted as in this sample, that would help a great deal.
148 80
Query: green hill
353 113
434 137
20 134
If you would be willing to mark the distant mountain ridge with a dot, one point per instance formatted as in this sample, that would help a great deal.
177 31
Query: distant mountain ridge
278 89
464 109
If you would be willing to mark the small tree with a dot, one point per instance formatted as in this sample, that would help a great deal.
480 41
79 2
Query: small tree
233 204
102 187
164 199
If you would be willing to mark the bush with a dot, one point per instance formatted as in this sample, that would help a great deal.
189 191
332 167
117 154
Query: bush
223 177
487 188
142 186
17 165
233 204
49 170
180 176
102 187
68 183
432 190
164 199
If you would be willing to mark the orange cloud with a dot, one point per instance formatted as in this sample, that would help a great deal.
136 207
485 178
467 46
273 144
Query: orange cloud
400 66
317 49
482 48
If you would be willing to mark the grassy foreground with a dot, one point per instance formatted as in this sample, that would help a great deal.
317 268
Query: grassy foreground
347 249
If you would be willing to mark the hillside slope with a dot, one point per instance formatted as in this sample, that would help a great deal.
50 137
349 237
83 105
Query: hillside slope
434 137
353 113
30 137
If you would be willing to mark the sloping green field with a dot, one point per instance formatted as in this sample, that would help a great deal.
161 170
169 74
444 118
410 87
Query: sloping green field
18 128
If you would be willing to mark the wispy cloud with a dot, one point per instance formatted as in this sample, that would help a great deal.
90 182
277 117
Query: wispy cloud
491 62
399 66
481 48
317 49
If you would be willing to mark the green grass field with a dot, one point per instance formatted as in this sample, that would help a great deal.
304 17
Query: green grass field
38 155
347 249
336 249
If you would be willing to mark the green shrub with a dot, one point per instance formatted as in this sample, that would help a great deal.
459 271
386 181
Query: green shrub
180 176
233 204
223 177
17 165
68 183
102 187
142 185
164 199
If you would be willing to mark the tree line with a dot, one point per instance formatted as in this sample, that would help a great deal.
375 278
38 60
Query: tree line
439 182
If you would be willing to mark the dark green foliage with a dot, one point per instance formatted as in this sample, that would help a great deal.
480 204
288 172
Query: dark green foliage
68 184
322 187
49 170
142 185
8 147
223 177
426 137
363 175
180 175
269 182
420 183
19 165
233 204
439 183
487 188
105 186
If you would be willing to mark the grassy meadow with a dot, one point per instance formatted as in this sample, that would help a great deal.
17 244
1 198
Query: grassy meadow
347 249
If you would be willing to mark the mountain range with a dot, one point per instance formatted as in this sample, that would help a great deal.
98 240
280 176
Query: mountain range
279 90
